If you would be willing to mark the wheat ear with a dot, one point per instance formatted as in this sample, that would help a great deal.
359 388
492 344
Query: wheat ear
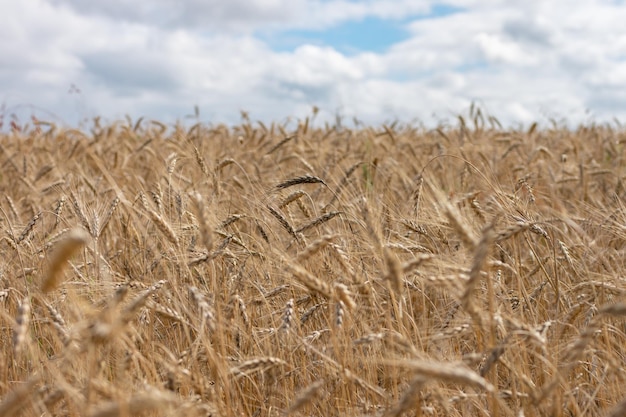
70 244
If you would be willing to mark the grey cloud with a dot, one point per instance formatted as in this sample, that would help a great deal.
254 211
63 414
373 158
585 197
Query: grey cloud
606 90
528 30
128 73
282 89
208 16
243 16
608 101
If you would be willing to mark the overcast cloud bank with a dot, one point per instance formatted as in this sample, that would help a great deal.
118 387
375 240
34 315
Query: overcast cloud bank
521 61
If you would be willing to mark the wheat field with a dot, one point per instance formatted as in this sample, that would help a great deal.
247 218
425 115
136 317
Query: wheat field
275 270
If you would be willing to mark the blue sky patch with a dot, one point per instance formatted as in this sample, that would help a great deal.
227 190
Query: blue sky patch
371 34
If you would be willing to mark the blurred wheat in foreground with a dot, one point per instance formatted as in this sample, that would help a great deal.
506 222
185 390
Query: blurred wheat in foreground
273 271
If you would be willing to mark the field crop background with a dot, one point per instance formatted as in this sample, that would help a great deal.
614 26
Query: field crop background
266 270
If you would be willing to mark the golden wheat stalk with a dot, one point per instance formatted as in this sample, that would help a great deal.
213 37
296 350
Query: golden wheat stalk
394 271
63 251
305 397
22 322
310 281
480 257
17 398
201 215
164 227
141 403
256 365
452 372
410 398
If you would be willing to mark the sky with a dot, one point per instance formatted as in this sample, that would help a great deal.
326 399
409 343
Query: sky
376 61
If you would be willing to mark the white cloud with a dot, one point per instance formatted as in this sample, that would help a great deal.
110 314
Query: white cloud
520 60
501 51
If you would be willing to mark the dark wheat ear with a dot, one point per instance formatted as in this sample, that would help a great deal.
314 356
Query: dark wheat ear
305 179
342 184
283 221
316 222
29 228
279 144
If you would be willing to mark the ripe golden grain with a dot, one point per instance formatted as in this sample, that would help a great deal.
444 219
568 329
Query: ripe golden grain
62 252
370 293
164 227
205 232
20 329
445 371
16 399
306 396
311 282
